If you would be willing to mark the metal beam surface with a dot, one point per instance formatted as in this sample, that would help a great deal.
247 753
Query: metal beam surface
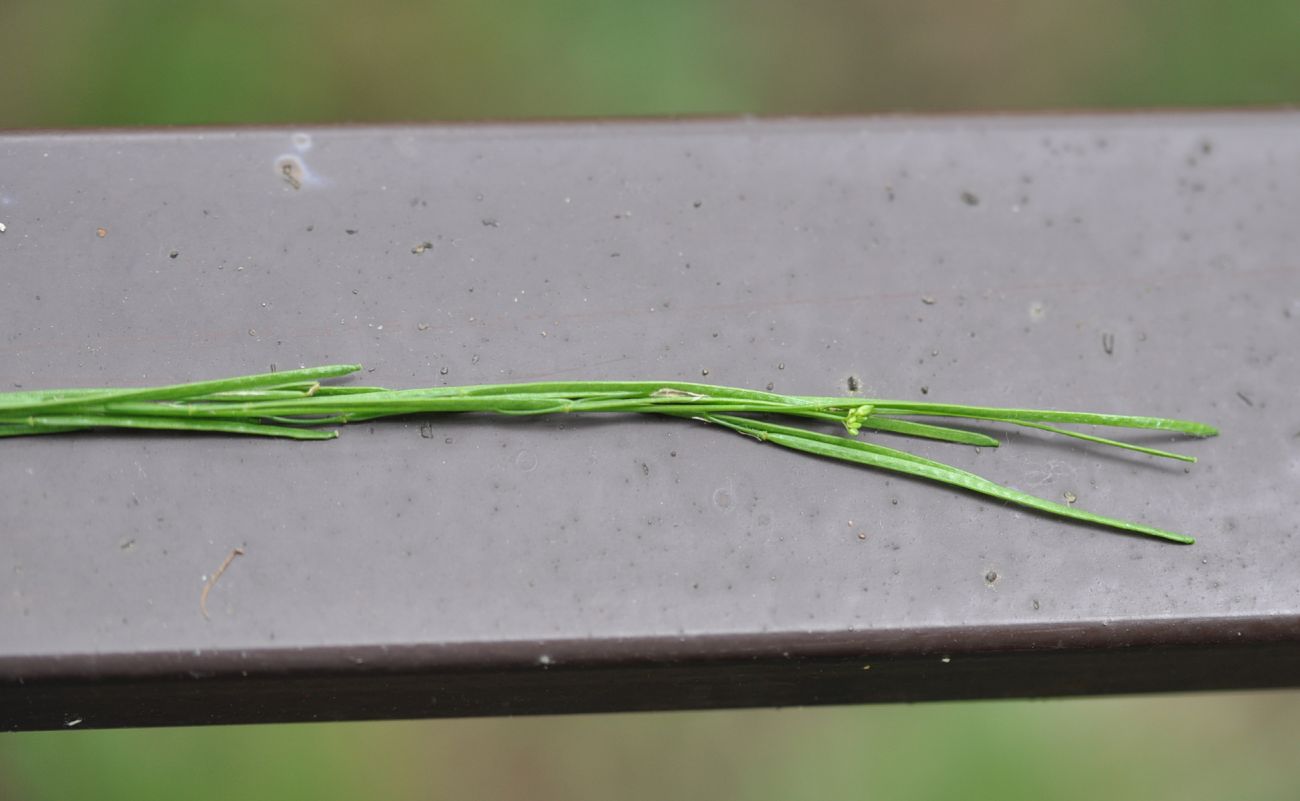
1145 264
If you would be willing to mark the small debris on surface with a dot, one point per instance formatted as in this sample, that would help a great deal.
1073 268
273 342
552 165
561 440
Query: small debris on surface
970 199
423 326
3 228
991 576
420 248
490 222
207 588
174 254
1070 497
101 232
1245 399
862 535
349 231
704 371
928 300
854 383
292 173
252 332
1108 343
443 371
925 390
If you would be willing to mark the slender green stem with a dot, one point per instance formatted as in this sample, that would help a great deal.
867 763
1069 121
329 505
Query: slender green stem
70 422
1128 446
294 404
889 407
901 462
62 400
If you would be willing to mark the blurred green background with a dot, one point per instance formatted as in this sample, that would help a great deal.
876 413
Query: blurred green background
161 62
149 62
1239 746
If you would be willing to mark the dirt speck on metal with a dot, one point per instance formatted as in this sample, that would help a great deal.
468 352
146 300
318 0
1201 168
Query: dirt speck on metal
292 170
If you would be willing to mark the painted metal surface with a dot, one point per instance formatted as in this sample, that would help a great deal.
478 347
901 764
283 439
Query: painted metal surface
1139 264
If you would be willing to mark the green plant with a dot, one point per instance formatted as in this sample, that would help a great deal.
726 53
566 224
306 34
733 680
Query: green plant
294 404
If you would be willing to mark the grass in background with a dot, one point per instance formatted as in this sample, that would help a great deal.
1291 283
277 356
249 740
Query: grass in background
156 62
1238 746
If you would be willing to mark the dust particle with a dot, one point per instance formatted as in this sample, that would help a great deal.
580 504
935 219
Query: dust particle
423 326
101 232
854 383
928 300
970 199
292 171
1070 497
